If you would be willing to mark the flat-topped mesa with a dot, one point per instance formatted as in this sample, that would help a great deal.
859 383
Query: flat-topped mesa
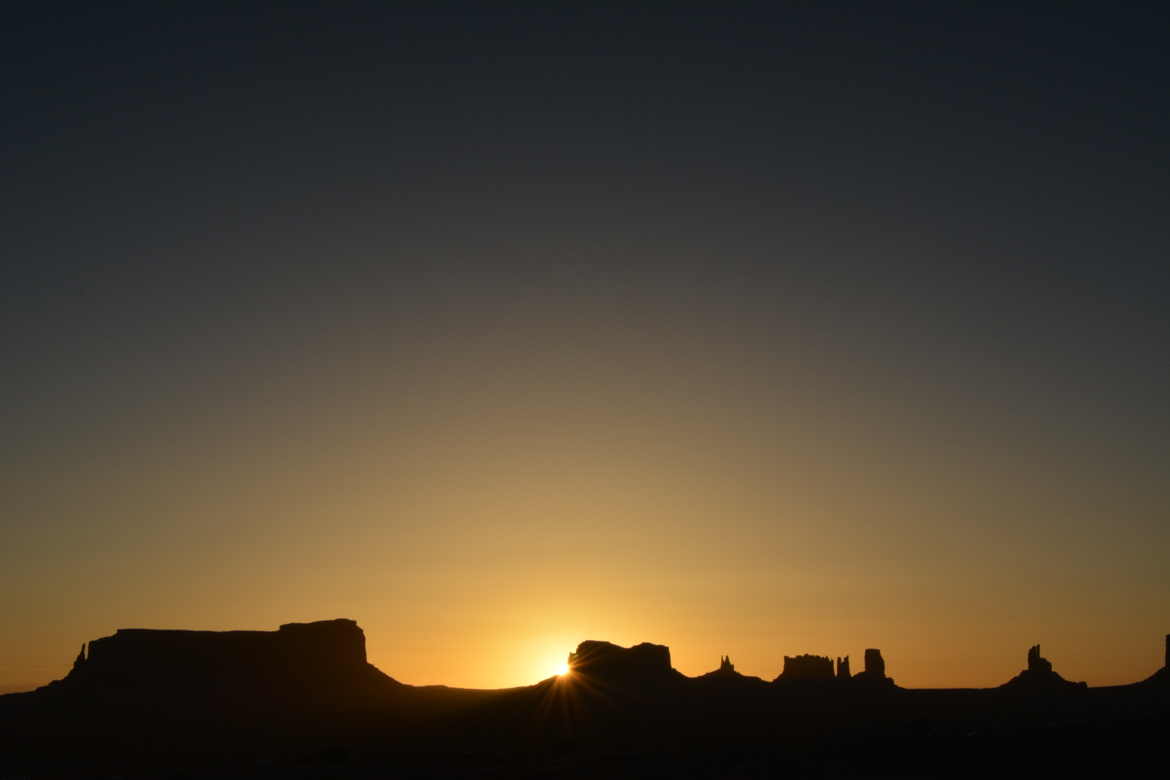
641 663
324 659
806 667
335 644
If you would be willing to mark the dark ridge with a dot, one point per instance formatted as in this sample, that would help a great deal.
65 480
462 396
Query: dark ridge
149 703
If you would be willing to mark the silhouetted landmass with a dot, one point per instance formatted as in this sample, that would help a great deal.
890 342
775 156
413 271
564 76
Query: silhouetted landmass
1162 676
874 673
641 665
818 669
1040 676
319 664
807 667
726 679
303 701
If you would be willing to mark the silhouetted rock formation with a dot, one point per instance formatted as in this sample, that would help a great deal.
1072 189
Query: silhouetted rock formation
638 666
1036 663
807 667
726 679
1162 676
874 673
1039 676
148 701
303 663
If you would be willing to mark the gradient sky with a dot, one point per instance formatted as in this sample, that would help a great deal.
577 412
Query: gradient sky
759 332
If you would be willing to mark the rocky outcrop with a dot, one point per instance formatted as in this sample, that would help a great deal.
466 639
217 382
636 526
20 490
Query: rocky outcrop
1039 677
726 680
874 673
820 668
806 667
1036 663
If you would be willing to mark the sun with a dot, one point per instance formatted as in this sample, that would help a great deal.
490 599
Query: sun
560 669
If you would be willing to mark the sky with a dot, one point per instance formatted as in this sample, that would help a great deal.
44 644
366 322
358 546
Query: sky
757 330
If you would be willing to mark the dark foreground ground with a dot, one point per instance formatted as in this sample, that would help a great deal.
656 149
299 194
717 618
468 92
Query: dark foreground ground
551 730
